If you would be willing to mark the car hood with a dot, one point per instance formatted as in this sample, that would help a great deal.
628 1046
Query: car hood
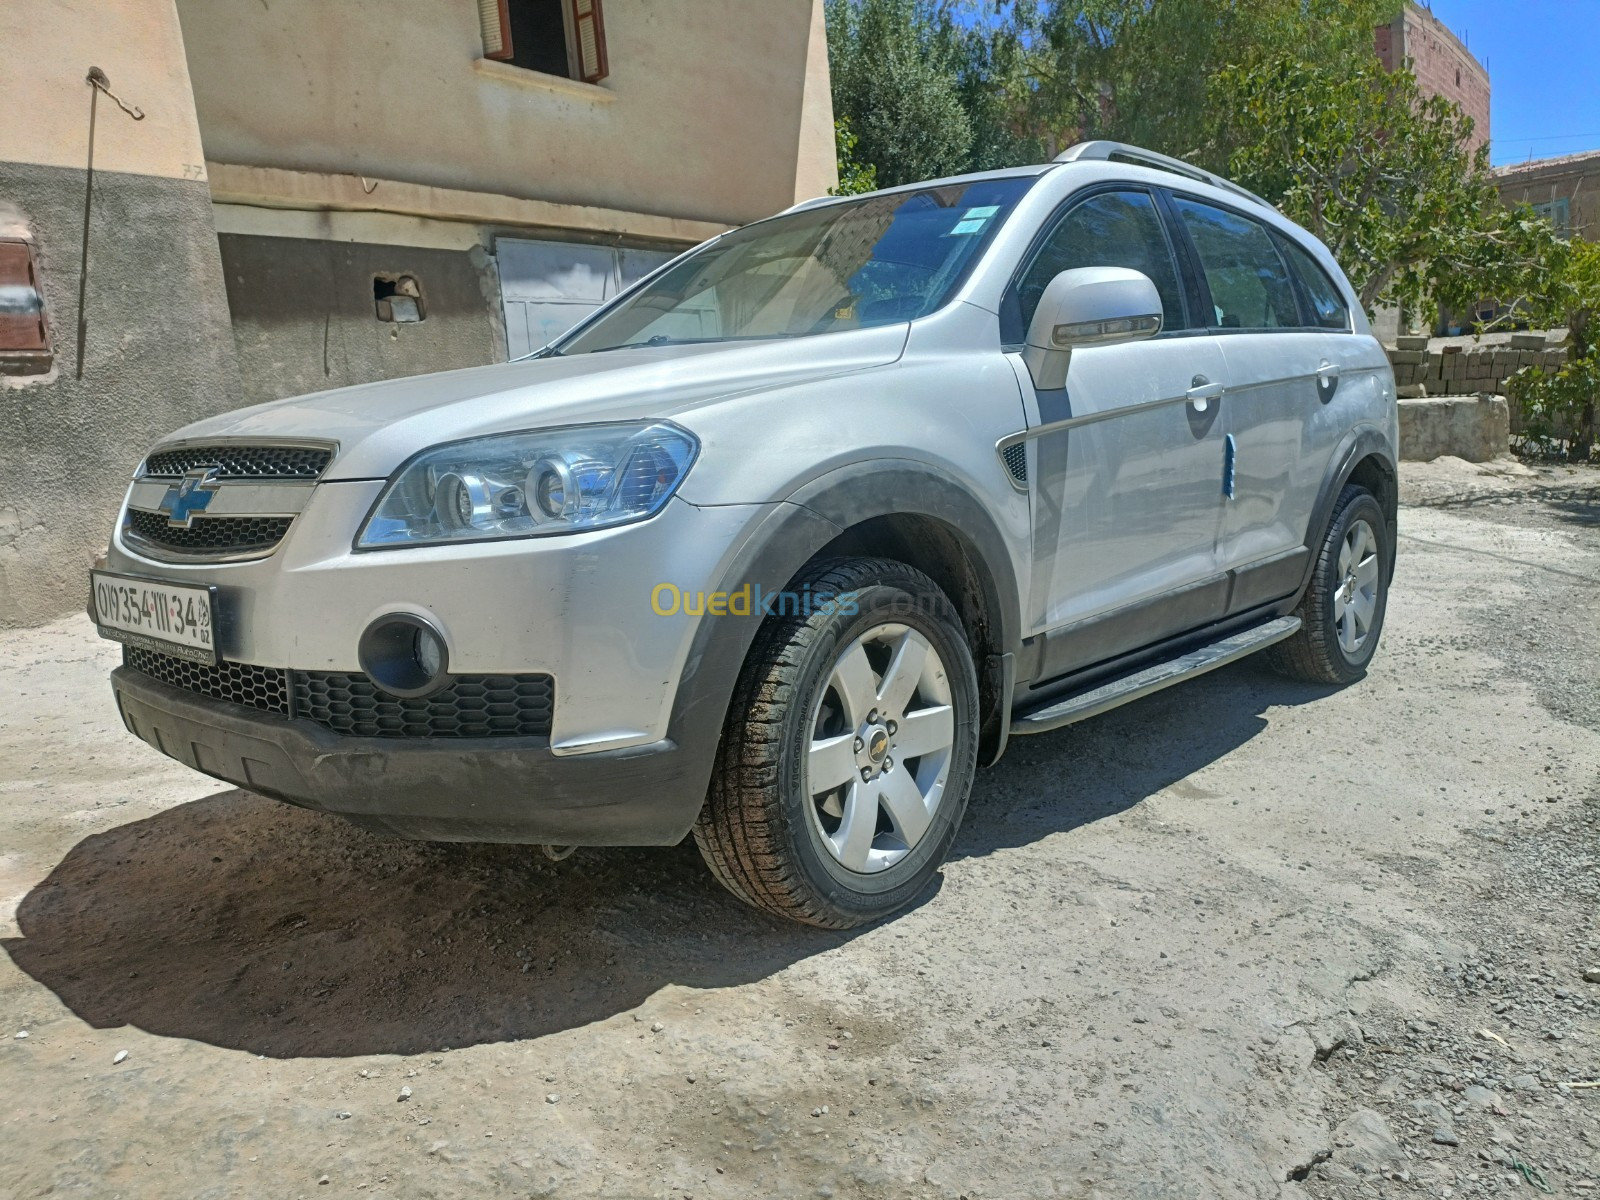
379 425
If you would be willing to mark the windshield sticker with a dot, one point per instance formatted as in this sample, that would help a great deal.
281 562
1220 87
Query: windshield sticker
981 212
969 226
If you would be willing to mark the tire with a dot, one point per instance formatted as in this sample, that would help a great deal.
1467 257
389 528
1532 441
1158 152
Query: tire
1343 607
773 831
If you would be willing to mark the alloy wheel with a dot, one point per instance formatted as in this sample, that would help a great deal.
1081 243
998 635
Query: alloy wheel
882 735
1355 602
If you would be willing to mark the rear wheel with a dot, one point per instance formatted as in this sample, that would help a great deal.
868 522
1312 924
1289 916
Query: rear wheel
1342 610
849 749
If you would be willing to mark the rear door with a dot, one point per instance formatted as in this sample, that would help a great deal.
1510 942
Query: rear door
1127 498
1282 369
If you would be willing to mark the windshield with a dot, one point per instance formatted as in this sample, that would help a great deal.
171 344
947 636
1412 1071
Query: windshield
874 261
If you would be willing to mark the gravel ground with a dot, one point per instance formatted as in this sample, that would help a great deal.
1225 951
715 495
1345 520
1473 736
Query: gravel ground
1246 938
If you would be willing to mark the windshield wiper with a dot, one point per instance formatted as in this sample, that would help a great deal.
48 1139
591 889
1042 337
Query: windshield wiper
660 339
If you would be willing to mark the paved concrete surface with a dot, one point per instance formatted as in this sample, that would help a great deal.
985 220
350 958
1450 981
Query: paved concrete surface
1244 939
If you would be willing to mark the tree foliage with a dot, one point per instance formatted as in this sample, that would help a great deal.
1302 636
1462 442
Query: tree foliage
1558 407
896 81
1383 176
1286 96
855 176
1145 72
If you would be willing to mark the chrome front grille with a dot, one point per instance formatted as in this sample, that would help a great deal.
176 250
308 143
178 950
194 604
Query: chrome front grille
241 462
230 535
473 706
220 503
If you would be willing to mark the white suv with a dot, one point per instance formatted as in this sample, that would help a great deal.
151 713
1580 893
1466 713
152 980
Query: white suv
784 542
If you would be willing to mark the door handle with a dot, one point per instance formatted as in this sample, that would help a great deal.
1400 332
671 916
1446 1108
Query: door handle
1202 392
1327 381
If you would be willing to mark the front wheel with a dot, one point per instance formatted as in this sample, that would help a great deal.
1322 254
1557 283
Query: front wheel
1342 610
849 749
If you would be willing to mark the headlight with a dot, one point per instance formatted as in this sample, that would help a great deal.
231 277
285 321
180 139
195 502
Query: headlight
531 484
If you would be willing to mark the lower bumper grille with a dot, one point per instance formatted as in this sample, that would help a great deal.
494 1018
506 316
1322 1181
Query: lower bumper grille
266 688
473 706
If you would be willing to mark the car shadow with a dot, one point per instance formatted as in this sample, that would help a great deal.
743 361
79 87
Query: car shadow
1069 777
252 925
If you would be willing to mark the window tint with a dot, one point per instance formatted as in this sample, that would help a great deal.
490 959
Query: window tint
1327 305
1112 229
1250 286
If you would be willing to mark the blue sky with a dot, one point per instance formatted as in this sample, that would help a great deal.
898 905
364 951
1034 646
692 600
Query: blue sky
1544 71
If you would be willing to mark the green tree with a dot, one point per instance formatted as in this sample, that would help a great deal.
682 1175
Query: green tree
1144 71
1558 407
895 83
855 176
1383 176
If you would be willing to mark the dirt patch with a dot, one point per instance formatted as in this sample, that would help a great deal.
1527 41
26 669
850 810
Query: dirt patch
1237 940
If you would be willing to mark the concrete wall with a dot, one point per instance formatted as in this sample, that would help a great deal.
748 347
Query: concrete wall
715 110
1476 428
158 353
1442 64
304 318
1572 177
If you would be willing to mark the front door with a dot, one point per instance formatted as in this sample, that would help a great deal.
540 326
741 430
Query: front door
1127 493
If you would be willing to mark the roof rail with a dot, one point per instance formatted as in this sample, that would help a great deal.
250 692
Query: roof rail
1122 152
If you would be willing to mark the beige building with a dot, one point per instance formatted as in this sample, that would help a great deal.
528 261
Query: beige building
1566 190
315 194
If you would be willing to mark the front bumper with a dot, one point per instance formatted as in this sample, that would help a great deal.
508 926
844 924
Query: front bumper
441 789
577 607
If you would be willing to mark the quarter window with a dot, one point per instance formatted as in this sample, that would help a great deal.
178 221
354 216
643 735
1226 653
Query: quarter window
1111 229
1249 284
1328 309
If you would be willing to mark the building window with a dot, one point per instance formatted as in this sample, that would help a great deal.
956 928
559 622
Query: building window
554 37
1559 213
24 328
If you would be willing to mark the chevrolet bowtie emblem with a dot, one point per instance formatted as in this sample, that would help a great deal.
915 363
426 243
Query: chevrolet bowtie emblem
190 495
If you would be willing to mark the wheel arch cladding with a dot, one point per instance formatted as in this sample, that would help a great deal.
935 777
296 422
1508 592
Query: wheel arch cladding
905 511
1367 458
926 519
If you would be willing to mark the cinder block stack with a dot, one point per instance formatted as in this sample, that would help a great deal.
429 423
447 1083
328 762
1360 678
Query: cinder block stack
1423 369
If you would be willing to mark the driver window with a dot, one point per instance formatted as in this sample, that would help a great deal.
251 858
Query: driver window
1111 229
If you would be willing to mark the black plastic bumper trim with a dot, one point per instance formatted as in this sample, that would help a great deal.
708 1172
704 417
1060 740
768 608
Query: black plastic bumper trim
442 789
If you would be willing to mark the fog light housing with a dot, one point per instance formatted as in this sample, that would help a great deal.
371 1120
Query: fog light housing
405 656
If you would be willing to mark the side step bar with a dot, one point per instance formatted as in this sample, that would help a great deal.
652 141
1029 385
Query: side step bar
1152 679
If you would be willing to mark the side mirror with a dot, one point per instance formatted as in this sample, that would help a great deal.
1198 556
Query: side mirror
1088 306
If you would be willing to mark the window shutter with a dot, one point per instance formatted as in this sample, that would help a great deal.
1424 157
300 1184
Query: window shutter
496 23
589 34
24 332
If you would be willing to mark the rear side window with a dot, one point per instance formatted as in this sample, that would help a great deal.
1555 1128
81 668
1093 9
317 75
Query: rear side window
1111 229
1328 309
1250 287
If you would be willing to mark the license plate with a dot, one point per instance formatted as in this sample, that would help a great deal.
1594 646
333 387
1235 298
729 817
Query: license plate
167 617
